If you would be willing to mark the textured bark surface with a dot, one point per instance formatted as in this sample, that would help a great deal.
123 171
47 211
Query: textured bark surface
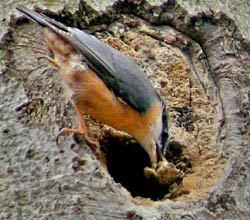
198 61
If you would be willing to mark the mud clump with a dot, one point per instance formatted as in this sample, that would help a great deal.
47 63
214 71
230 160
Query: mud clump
176 154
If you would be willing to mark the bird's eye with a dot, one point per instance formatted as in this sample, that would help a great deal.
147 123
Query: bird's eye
164 137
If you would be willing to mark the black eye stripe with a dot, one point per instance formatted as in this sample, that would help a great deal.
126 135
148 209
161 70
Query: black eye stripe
164 135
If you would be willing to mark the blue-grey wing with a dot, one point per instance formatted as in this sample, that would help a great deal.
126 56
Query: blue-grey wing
120 74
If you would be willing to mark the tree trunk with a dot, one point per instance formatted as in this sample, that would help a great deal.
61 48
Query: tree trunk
198 60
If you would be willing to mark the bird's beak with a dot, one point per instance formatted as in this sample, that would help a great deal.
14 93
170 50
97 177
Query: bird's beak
155 153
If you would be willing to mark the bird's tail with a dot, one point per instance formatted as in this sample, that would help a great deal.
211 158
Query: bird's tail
56 34
42 20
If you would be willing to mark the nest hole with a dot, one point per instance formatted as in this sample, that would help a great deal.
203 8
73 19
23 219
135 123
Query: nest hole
126 160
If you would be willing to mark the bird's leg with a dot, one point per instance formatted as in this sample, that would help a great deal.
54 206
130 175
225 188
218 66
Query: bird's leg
51 61
82 130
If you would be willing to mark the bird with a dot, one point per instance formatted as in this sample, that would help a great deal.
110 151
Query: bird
105 84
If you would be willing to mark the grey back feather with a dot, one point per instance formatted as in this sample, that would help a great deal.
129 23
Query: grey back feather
120 74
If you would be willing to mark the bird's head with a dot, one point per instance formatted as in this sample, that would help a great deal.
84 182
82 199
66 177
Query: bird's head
155 138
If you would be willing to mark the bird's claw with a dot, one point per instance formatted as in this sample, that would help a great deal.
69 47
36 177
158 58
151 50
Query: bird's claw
68 131
51 60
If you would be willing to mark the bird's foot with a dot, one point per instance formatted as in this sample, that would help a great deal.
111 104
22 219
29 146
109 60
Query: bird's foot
51 61
69 131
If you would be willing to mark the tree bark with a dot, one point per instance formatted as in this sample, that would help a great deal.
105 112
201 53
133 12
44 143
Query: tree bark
196 61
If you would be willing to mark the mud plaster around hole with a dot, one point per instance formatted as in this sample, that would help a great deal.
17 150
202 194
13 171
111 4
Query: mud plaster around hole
193 118
172 76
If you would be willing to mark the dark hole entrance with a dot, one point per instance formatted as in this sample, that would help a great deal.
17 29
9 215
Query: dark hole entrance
126 160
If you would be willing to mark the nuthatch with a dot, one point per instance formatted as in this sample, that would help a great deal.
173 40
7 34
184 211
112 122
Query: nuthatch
105 84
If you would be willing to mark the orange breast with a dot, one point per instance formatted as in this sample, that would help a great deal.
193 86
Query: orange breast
95 99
